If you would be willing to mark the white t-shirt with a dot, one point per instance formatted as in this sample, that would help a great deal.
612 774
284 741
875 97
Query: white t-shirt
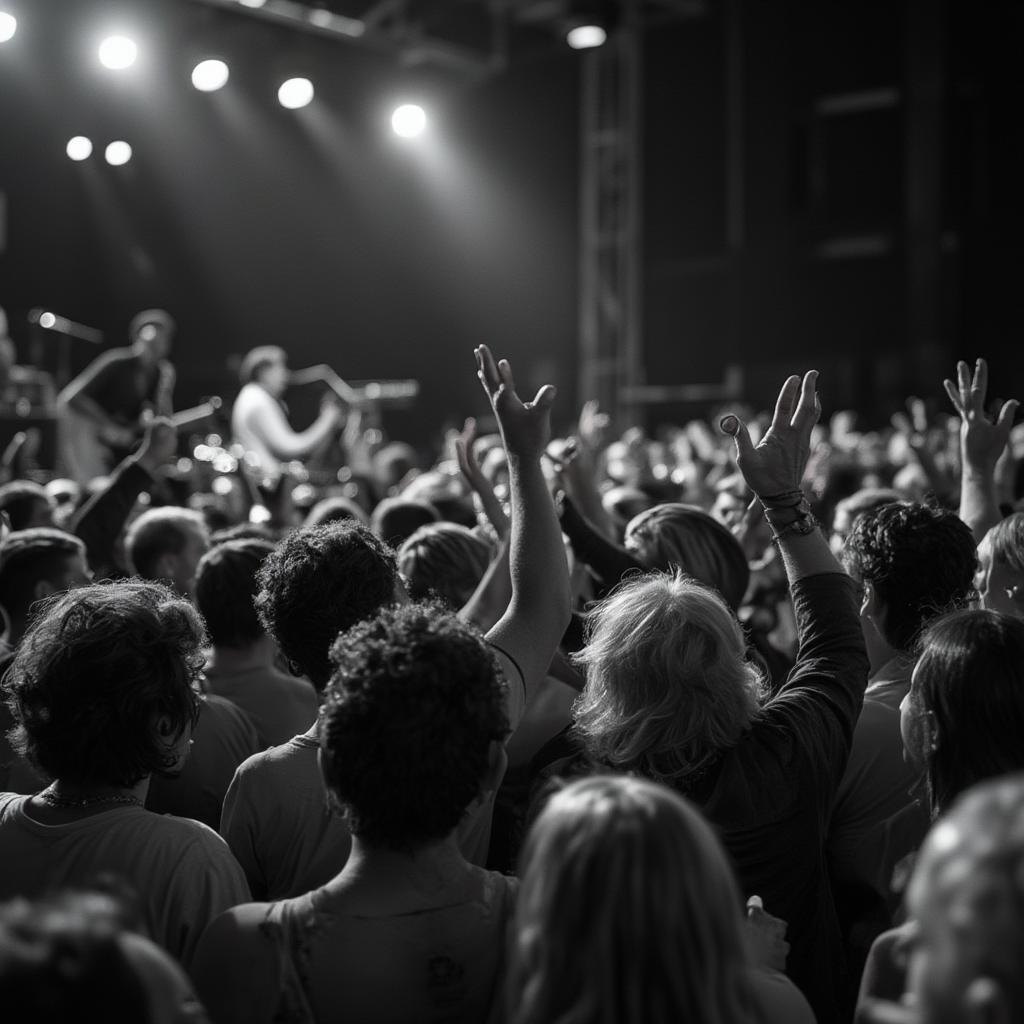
182 871
259 424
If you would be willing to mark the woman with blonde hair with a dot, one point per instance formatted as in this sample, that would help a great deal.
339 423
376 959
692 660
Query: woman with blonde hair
670 695
628 912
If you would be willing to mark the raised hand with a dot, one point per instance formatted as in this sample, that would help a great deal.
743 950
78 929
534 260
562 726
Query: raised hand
525 426
766 936
981 440
775 466
478 483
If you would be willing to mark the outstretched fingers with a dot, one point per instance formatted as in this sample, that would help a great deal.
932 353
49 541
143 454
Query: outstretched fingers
544 398
807 409
784 404
487 370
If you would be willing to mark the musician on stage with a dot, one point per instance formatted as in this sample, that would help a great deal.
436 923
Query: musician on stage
259 418
101 410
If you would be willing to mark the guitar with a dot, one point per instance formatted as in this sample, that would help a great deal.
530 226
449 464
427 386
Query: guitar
87 448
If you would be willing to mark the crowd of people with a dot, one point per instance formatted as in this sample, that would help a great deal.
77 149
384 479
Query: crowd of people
719 725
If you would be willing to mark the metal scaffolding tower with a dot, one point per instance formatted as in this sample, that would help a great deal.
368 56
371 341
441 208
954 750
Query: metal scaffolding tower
610 320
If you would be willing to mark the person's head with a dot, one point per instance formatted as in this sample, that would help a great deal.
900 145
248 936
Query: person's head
446 560
412 725
967 900
226 590
394 520
69 957
668 686
267 366
27 504
676 536
914 562
166 544
963 717
319 582
334 509
1000 579
628 911
102 687
35 564
867 499
151 333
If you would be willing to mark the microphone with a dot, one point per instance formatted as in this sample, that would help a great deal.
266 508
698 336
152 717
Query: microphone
50 321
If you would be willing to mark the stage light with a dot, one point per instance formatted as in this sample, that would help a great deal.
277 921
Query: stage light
79 148
409 121
252 3
295 93
118 53
586 37
118 153
47 321
8 26
210 75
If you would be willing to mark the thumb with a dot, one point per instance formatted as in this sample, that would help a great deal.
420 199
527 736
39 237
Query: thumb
545 397
734 427
753 904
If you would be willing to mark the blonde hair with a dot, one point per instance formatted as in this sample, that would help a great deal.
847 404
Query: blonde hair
627 912
668 684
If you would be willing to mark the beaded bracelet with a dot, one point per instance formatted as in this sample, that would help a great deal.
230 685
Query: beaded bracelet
788 499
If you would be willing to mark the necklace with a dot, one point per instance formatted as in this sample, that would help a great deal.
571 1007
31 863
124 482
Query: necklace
50 797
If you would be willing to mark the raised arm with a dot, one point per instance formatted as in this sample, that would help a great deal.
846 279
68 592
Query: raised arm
539 611
773 470
981 444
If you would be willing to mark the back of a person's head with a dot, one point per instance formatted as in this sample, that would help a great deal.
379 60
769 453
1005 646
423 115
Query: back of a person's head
409 723
394 520
158 532
677 536
628 911
446 560
333 510
920 561
668 683
62 959
27 504
226 590
967 898
1007 542
965 712
29 558
319 582
97 670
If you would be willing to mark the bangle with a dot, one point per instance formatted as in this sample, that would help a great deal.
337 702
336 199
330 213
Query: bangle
799 528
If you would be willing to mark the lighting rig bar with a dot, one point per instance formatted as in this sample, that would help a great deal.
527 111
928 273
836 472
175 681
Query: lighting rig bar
384 27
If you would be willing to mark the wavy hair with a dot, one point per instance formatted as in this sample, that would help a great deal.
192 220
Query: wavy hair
446 560
628 911
96 669
677 536
669 686
970 677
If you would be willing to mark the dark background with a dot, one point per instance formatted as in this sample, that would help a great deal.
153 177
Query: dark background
878 245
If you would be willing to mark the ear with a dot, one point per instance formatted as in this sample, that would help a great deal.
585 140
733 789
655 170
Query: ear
164 727
869 603
985 1002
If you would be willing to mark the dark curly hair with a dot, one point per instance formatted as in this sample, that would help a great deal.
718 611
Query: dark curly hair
61 959
919 558
319 582
93 672
414 703
226 590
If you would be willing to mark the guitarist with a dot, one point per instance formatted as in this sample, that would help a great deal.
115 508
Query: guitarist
100 413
